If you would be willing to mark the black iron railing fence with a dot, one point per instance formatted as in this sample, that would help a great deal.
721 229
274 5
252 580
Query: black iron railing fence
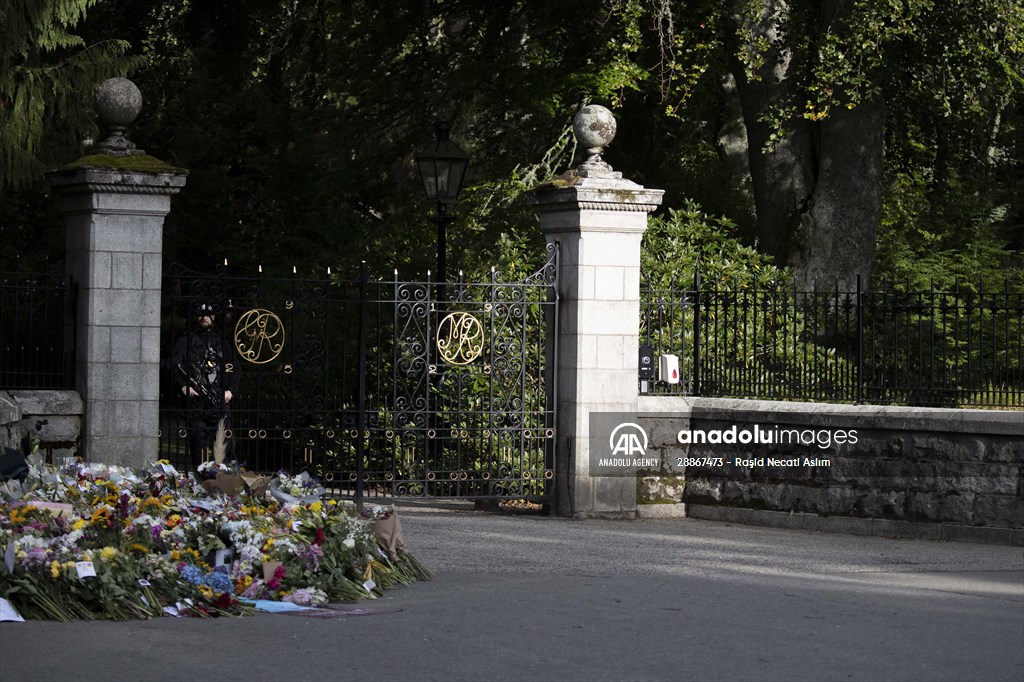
955 347
37 327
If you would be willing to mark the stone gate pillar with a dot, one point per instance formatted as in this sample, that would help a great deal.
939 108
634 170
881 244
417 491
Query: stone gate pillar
114 202
598 218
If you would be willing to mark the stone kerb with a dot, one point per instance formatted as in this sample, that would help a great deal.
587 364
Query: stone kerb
598 220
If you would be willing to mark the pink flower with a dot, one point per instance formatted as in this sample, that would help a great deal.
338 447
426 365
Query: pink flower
275 582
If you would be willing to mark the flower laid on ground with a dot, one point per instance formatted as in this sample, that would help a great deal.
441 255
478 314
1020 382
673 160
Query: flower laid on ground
310 596
301 488
91 541
297 486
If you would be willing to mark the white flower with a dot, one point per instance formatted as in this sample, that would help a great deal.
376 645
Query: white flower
27 542
249 553
285 546
349 542
70 540
143 520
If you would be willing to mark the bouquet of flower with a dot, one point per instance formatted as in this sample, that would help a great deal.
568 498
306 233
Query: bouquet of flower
210 469
300 489
387 530
218 475
96 541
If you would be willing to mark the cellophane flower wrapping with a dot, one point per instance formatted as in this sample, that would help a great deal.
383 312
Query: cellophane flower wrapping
299 489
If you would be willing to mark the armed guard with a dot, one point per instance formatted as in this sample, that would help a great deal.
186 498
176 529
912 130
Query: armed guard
206 375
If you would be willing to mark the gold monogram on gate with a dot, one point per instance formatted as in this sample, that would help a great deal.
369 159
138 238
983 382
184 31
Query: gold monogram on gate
259 336
460 338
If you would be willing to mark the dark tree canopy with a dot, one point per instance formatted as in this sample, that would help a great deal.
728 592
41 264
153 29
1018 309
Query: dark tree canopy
836 135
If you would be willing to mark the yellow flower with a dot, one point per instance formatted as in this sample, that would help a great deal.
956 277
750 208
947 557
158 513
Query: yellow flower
141 549
100 517
108 553
54 569
316 507
205 591
79 524
20 514
241 584
332 502
186 554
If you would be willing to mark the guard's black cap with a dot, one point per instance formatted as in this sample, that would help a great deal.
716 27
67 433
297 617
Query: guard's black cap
200 309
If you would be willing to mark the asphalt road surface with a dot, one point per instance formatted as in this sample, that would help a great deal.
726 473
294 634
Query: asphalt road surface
537 598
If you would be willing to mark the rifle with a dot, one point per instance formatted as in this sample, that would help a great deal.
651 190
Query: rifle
201 387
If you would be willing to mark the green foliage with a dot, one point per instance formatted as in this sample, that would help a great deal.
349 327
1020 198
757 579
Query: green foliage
953 207
927 339
44 70
950 74
299 122
926 240
685 241
772 345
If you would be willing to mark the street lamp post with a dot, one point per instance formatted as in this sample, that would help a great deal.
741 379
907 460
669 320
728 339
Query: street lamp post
442 168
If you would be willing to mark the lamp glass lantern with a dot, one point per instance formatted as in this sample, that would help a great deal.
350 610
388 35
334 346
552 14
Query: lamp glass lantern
442 167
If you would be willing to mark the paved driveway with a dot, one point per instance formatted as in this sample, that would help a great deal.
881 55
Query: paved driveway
535 598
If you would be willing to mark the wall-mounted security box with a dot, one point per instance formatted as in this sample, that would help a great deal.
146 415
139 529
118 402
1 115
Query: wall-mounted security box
646 367
668 369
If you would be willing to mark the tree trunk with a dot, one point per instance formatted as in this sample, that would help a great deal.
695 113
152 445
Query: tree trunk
782 176
818 190
835 238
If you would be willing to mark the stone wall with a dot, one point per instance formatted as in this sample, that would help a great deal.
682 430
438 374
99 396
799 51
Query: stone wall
53 417
911 471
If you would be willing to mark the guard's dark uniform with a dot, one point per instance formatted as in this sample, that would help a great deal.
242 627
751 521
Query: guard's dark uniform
203 361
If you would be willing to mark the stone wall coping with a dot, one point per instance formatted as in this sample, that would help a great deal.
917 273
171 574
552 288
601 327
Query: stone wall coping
572 191
116 181
48 402
942 420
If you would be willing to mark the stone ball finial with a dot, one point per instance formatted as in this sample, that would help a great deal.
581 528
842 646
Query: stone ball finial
594 128
118 102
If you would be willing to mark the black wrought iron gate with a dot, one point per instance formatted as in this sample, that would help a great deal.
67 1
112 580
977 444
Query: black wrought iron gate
382 388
